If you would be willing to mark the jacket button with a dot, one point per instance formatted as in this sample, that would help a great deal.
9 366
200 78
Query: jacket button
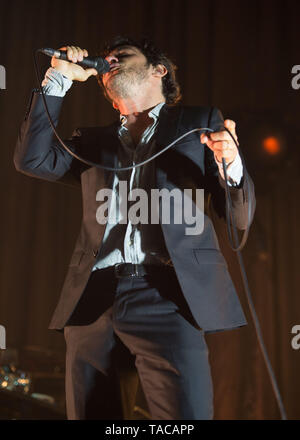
95 253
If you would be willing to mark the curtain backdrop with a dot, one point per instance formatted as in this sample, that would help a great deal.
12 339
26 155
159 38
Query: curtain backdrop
236 55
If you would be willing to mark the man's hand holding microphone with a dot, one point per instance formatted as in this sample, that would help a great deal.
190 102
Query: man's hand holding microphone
72 71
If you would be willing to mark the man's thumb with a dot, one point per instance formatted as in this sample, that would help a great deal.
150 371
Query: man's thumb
91 72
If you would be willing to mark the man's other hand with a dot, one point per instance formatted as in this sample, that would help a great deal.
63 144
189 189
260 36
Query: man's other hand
221 143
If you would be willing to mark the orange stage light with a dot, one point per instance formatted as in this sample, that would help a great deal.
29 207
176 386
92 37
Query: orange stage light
271 145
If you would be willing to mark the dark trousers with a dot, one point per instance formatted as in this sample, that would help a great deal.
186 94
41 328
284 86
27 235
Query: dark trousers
148 323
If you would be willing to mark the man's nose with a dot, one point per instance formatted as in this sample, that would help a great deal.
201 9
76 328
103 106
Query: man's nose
112 58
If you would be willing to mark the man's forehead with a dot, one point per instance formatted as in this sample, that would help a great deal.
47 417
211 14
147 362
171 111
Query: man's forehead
124 47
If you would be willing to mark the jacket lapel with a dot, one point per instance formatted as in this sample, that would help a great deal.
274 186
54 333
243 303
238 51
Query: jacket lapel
167 131
168 125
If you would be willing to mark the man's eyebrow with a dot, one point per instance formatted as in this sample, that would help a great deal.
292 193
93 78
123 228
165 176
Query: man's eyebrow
119 49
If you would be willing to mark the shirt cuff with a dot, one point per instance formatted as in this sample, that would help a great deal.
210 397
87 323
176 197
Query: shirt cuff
55 83
234 171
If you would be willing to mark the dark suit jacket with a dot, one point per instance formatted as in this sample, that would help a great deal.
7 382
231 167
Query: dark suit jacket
200 266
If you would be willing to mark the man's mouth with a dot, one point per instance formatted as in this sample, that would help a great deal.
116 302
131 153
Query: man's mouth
114 66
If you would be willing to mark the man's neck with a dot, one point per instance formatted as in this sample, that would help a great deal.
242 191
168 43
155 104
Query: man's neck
138 119
138 107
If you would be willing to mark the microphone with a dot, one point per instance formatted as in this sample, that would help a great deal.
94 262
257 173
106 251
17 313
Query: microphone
100 64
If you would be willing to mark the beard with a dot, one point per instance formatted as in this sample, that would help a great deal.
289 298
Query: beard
125 82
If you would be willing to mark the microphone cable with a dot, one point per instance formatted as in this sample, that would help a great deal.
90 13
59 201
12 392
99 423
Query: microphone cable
237 248
230 222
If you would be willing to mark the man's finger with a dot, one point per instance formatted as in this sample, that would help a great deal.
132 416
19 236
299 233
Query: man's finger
69 53
79 54
74 51
204 139
230 124
221 146
220 136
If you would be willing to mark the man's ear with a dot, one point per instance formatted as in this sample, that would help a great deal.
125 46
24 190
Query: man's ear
160 70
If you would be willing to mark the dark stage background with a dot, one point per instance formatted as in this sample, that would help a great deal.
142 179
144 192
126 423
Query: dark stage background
236 55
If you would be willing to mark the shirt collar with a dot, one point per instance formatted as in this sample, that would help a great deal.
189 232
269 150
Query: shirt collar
152 113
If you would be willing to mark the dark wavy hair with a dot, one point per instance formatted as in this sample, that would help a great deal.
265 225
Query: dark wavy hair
154 56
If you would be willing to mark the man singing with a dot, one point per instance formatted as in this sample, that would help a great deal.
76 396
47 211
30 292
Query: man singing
139 291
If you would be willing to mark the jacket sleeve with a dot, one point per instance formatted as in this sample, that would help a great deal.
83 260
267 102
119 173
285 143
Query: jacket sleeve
242 196
38 153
